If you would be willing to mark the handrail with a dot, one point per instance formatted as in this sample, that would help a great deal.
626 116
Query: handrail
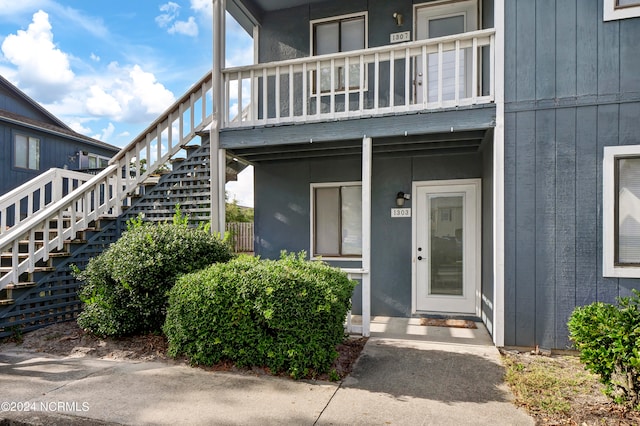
105 193
52 180
369 51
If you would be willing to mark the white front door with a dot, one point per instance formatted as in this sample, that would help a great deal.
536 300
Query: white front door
441 20
446 246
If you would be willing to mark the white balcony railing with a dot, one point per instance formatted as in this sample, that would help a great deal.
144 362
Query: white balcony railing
421 75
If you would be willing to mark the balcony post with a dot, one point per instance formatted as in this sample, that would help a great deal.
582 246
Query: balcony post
366 234
216 173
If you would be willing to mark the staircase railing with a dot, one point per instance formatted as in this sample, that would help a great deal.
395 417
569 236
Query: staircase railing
106 193
32 196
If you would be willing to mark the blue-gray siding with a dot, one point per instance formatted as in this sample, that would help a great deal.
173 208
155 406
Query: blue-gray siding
55 151
572 87
282 216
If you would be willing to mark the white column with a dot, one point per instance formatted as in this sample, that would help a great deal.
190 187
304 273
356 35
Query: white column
222 179
214 136
498 180
366 235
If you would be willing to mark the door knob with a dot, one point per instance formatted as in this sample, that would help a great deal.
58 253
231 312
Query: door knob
419 257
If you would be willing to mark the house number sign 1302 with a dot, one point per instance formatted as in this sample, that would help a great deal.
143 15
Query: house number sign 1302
401 212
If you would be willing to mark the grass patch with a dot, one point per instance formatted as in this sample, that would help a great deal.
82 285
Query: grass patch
546 385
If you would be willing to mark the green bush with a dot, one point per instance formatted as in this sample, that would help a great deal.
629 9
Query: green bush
287 315
125 288
608 338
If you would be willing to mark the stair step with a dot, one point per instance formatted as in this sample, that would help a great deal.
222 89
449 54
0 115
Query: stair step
7 269
19 285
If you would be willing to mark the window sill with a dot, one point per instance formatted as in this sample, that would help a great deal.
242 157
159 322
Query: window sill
337 259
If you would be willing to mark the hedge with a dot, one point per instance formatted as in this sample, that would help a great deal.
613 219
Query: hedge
287 314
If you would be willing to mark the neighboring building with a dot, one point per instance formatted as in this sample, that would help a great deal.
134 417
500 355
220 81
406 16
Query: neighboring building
33 141
491 126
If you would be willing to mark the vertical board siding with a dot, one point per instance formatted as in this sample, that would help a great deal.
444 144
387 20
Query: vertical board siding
586 47
565 250
629 57
545 226
561 51
545 48
525 38
510 235
565 54
608 116
587 205
525 213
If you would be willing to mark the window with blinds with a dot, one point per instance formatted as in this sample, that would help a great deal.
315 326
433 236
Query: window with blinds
627 211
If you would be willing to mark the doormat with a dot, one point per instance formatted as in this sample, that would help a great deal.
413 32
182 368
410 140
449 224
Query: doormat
445 322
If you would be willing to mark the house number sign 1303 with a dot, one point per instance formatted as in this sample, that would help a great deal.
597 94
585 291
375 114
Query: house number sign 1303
401 212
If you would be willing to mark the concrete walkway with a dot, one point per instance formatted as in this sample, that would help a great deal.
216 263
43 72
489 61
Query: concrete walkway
407 374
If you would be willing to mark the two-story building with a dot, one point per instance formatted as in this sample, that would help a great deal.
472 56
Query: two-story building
462 156
33 141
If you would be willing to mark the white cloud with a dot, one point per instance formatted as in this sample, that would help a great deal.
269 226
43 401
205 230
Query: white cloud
106 133
188 28
202 6
169 20
102 103
43 69
129 94
171 11
95 57
78 126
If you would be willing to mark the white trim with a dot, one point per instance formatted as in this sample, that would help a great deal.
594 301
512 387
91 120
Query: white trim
609 268
612 12
367 150
477 276
498 324
312 254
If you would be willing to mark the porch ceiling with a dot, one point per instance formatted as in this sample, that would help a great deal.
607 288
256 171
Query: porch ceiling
428 144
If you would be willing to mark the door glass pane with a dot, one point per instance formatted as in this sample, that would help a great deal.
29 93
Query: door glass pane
327 221
446 245
441 27
351 220
628 210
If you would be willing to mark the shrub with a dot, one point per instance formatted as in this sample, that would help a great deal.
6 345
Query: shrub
287 314
608 338
125 290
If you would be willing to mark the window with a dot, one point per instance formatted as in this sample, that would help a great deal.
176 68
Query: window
337 220
27 152
621 9
621 211
335 35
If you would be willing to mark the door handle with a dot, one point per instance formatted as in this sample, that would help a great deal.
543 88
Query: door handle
419 257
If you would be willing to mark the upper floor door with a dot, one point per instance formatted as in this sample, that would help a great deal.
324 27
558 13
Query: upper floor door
439 20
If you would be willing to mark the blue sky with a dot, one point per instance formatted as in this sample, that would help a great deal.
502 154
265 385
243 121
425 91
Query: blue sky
109 68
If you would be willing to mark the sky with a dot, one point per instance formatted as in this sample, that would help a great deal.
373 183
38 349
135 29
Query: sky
109 68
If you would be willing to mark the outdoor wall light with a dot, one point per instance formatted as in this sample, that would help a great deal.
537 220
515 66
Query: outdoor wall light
399 18
401 197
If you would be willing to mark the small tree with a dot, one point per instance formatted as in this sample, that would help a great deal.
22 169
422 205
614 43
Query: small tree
608 338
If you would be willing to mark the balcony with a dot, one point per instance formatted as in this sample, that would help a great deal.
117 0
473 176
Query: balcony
439 73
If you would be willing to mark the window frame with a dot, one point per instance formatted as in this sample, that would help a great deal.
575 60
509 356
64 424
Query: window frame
610 266
614 12
312 224
312 52
28 148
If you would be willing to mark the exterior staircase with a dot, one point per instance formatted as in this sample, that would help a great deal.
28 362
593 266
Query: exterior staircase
66 217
